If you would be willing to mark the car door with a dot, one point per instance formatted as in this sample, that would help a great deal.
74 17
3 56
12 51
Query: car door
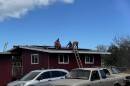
44 79
95 78
104 80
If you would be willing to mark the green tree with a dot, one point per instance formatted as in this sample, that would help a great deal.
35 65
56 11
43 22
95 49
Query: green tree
120 51
102 48
112 59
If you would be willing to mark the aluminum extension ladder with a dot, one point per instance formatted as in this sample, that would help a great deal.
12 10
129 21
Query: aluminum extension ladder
79 62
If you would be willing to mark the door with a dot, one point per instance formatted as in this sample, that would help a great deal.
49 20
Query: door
17 67
95 79
104 80
44 79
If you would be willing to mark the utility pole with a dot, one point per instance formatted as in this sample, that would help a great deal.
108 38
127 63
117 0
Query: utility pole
5 46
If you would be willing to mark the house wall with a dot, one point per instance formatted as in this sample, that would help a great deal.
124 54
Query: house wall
72 62
27 66
5 69
50 60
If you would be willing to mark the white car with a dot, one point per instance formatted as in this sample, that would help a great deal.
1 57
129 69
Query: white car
40 77
115 71
90 77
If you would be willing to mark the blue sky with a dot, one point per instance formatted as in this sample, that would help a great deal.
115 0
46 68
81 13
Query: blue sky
91 22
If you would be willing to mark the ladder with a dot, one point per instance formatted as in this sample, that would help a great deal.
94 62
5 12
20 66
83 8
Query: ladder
77 57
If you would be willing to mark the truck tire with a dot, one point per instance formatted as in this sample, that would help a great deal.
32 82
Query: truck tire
117 84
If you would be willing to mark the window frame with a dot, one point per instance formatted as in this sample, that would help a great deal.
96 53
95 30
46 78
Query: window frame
89 57
35 62
63 55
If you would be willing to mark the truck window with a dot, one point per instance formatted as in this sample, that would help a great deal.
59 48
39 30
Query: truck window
95 76
106 71
80 74
103 74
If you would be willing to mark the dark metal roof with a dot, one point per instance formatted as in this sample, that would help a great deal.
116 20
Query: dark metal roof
51 49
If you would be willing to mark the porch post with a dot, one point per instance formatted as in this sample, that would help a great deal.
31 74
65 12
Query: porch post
48 61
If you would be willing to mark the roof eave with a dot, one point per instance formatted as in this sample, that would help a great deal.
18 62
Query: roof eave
3 53
60 51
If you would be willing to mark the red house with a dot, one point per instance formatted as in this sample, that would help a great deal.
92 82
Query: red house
5 68
28 58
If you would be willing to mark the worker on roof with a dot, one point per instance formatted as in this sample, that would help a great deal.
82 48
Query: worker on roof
69 45
75 44
57 44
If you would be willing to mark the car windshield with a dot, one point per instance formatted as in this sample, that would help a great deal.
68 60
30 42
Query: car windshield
29 76
115 70
80 74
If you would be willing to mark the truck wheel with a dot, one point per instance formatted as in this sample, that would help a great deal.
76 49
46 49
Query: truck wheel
117 85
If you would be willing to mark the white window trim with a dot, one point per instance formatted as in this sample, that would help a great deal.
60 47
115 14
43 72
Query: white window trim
37 58
89 60
63 59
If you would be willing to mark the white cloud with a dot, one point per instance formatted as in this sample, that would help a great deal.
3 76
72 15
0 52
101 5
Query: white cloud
18 8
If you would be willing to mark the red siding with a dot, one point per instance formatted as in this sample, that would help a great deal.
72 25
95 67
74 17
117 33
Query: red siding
27 66
47 60
5 69
72 62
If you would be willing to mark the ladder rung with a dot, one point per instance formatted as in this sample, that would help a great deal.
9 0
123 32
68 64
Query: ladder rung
77 58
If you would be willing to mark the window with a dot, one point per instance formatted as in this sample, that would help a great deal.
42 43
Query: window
30 76
63 59
80 74
106 72
63 73
103 74
45 75
55 74
34 59
95 76
89 59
